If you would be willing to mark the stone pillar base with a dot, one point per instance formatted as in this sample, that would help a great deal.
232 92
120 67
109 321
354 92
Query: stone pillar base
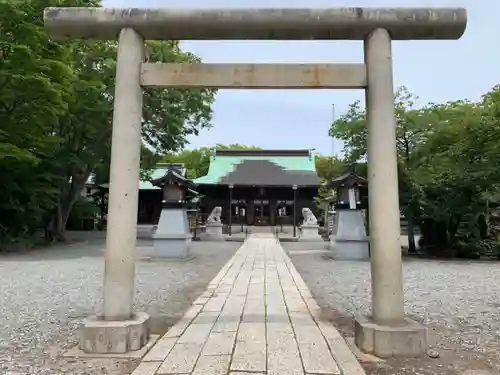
405 340
99 336
213 232
171 246
310 233
342 249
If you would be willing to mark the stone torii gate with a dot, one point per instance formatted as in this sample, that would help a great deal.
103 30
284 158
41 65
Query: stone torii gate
386 332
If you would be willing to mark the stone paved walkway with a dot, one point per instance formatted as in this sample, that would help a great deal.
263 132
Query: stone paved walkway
257 316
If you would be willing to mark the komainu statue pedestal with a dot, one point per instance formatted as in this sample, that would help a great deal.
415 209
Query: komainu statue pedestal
213 226
309 230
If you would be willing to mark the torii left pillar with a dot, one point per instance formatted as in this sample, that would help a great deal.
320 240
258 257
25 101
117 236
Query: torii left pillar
119 329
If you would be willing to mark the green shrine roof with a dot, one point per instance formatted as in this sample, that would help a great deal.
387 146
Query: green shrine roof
158 172
261 168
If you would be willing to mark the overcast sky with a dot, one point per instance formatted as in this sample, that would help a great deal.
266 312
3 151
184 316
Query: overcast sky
436 71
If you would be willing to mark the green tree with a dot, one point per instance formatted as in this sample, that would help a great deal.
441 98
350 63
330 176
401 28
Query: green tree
448 158
169 117
458 172
34 94
56 115
410 130
327 168
196 161
410 127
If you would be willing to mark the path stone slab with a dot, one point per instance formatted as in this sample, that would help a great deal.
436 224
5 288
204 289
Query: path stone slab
147 368
178 328
160 351
181 359
283 354
256 317
249 356
220 343
212 365
227 322
317 358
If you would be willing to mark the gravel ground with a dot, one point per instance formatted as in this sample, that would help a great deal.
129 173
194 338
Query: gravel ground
457 300
44 295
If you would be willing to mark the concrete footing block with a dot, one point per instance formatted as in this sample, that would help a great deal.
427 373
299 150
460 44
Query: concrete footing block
310 233
213 232
101 336
213 238
171 247
342 249
404 340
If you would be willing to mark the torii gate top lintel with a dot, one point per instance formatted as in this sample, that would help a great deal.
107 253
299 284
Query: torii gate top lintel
257 24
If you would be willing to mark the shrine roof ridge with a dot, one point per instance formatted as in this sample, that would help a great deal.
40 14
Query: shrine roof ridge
257 24
173 176
263 152
342 179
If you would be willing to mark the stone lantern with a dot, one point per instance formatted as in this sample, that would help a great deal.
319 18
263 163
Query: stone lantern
172 238
350 242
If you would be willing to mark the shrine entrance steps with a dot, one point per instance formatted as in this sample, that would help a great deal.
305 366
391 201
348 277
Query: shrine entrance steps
256 316
260 229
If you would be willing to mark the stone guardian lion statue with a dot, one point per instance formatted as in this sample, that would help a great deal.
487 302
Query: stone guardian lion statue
309 218
214 217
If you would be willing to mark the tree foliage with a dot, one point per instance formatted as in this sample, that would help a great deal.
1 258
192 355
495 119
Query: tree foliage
56 103
327 168
448 167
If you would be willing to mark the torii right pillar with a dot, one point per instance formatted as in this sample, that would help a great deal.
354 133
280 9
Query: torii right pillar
387 332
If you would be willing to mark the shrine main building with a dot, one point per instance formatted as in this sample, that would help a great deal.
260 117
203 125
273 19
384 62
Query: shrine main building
253 187
259 187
